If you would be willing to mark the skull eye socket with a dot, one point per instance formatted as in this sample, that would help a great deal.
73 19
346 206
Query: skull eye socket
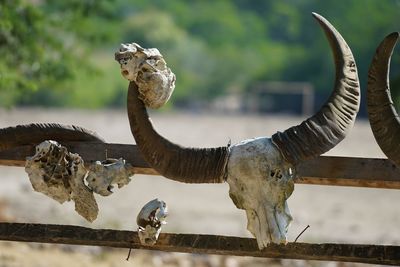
277 173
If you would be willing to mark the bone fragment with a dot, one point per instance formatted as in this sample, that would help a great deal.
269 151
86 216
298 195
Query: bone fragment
103 174
150 219
148 69
60 175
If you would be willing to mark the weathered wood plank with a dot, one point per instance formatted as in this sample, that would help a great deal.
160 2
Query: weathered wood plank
204 244
348 171
90 152
324 170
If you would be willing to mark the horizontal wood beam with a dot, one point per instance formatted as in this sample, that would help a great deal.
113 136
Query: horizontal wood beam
90 152
324 170
349 171
203 244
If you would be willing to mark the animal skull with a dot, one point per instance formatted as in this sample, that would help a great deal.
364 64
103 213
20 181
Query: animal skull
261 171
148 69
150 219
260 181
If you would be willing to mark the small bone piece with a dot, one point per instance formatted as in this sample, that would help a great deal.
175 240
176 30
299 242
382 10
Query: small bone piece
102 174
150 219
147 68
59 174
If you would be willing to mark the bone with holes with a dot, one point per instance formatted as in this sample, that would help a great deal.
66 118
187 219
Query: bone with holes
103 174
150 219
148 69
259 171
60 175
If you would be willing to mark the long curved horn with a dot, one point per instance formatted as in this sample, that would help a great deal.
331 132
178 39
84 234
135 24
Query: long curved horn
384 121
36 133
332 122
189 165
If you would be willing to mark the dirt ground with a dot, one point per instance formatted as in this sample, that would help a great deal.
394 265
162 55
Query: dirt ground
335 214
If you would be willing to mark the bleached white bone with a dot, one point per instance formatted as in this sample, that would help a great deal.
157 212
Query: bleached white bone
103 174
260 181
60 174
148 69
150 219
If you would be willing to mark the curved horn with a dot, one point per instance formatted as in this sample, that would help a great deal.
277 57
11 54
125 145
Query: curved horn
385 122
189 165
332 122
36 133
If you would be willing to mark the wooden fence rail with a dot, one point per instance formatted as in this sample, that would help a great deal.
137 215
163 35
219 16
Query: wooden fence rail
192 243
324 170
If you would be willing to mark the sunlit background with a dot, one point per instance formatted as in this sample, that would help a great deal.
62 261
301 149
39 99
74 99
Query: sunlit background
244 69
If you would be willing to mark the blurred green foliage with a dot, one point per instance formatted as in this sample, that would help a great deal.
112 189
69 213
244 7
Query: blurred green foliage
61 52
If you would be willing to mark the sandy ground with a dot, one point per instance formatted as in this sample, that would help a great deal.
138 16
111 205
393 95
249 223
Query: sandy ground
335 214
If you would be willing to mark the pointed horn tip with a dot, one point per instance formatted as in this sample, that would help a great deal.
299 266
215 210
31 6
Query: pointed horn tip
394 37
387 45
395 34
316 15
326 25
320 18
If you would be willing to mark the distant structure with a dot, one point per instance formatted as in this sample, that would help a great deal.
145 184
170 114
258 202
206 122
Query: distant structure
270 97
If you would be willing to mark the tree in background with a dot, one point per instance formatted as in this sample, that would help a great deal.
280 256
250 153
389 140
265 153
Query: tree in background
43 45
58 52
33 57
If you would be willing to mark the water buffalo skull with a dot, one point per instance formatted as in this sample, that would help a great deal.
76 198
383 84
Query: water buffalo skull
261 171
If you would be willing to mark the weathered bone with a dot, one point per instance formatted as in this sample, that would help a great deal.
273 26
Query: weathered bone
103 174
260 181
383 118
259 171
147 68
150 219
53 170
60 174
